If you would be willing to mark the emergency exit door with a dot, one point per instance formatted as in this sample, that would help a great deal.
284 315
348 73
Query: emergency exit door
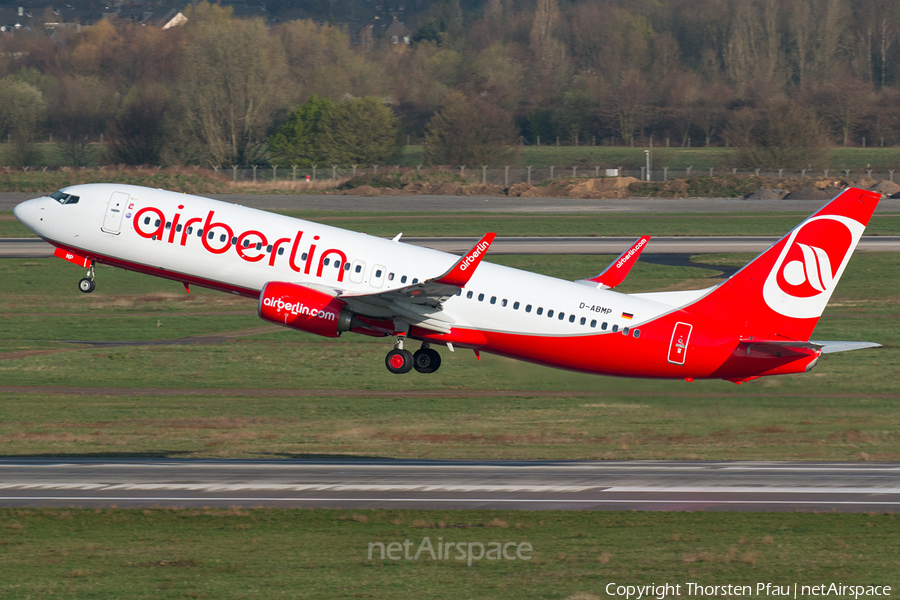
678 345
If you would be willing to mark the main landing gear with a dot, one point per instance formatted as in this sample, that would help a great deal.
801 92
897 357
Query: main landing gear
86 284
425 360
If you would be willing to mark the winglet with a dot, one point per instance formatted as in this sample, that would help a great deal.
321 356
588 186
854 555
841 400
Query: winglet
618 269
460 273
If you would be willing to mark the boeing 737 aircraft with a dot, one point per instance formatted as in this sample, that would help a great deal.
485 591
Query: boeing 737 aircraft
327 281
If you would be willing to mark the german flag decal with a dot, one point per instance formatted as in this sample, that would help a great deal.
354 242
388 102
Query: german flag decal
628 316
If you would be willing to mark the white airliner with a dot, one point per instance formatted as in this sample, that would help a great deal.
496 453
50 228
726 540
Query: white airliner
328 281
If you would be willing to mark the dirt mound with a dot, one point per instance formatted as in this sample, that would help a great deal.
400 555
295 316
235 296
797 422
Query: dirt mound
887 188
603 187
812 193
766 194
519 189
363 190
479 189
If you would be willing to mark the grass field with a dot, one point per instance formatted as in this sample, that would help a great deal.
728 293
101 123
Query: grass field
232 553
476 224
248 389
291 394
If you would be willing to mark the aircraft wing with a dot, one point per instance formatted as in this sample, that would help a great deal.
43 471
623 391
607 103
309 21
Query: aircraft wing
618 269
422 303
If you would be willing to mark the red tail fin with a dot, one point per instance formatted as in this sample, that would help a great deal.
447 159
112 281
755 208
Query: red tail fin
782 293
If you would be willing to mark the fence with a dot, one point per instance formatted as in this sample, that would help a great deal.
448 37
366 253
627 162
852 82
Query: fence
507 176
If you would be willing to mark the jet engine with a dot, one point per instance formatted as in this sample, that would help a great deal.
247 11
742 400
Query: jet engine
303 308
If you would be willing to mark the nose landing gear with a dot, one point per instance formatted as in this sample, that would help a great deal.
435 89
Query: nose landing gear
86 284
425 360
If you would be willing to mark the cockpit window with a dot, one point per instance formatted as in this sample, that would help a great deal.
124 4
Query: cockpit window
64 198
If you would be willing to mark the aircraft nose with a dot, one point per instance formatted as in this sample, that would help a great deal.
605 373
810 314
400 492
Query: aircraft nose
26 211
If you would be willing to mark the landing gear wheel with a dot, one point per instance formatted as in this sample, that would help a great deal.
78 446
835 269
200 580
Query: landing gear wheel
427 360
399 361
86 285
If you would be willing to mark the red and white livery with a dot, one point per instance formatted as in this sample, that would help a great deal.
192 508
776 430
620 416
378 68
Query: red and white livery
328 281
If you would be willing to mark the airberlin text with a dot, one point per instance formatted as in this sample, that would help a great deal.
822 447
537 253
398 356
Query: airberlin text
783 590
472 256
251 245
298 308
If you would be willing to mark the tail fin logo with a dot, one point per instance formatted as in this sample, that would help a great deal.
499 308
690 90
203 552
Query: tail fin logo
810 264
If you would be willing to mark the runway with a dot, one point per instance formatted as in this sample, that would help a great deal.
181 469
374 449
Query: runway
404 484
37 248
501 204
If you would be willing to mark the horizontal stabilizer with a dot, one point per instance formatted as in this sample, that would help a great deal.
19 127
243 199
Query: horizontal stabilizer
618 269
829 347
774 346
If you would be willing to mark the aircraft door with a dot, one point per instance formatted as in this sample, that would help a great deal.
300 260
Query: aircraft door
377 278
115 210
357 270
679 343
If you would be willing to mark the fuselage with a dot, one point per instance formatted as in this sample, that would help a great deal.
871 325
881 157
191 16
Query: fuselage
502 310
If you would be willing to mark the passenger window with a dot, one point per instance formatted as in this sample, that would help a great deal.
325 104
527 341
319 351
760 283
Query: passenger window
168 225
503 302
146 220
515 306
258 245
190 230
603 327
280 251
550 313
459 293
326 262
528 308
481 297
391 277
415 280
593 322
222 238
269 248
199 233
540 310
636 333
302 256
583 320
378 273
359 269
562 316
157 223
210 235
178 228
403 279
493 299
469 295
246 243
624 331
337 265
234 241
615 328
572 319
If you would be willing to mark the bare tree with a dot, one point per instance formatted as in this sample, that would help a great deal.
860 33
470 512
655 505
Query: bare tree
232 80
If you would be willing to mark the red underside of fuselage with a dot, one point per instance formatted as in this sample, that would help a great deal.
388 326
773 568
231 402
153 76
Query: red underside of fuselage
713 352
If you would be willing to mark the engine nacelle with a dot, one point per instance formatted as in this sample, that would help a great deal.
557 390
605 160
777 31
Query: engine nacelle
303 308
